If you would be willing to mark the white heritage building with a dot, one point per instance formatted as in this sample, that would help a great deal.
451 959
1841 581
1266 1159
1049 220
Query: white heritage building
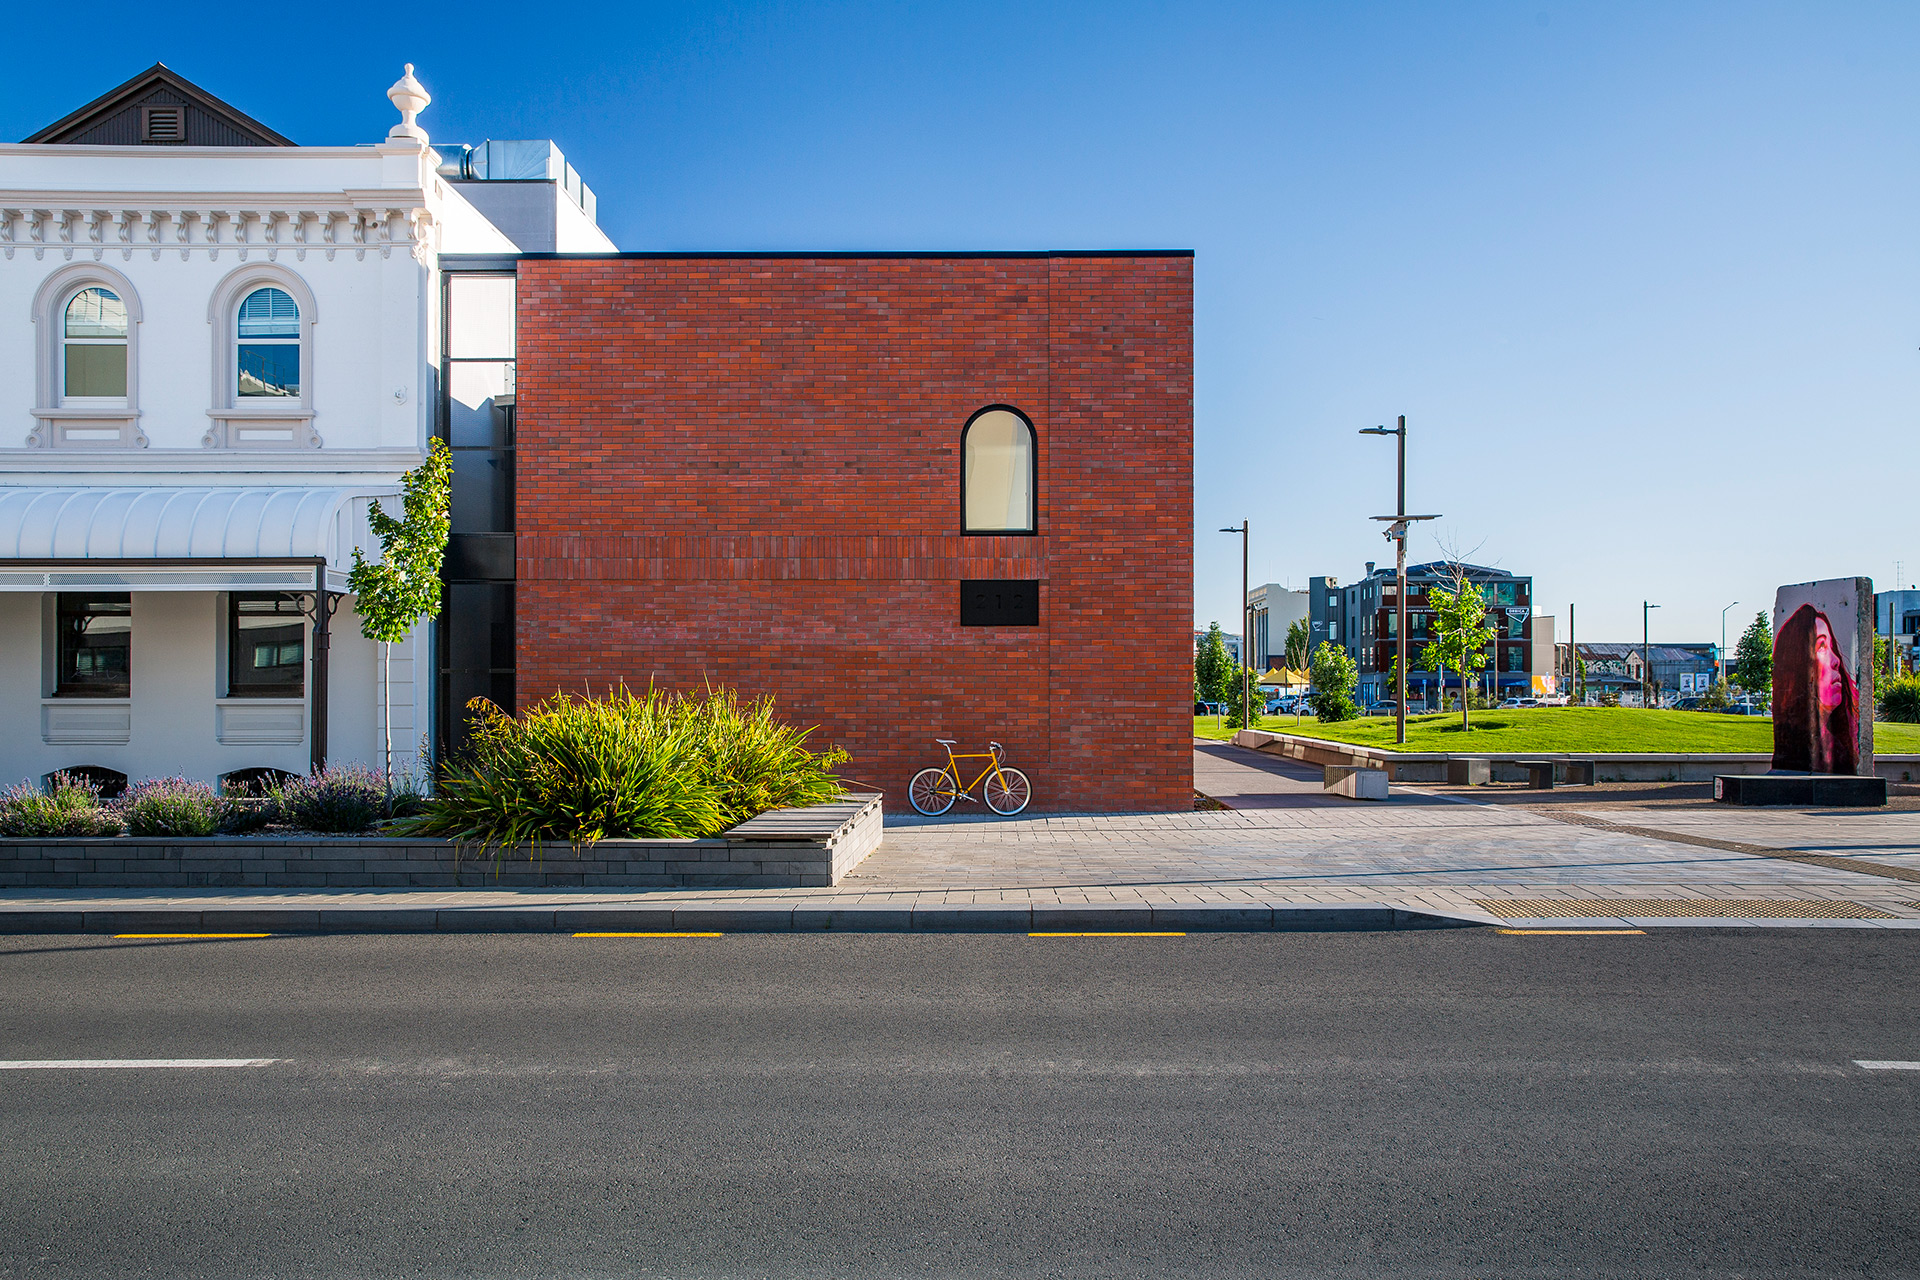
216 349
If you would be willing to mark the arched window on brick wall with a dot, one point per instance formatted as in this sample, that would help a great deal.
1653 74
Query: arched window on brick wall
999 473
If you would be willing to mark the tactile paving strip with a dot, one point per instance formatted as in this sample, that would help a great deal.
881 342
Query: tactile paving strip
1738 908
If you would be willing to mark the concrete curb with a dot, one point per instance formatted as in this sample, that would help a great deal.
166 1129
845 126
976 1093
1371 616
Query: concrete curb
1239 917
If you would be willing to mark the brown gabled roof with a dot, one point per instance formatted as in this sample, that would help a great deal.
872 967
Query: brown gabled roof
117 117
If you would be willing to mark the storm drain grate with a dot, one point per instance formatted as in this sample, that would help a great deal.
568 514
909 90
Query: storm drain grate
1740 908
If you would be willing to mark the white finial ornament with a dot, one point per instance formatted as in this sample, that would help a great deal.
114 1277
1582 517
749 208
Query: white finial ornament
409 98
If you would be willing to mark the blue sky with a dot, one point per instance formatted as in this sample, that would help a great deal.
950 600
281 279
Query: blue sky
1642 277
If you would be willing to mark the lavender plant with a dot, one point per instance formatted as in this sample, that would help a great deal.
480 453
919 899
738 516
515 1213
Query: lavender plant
67 806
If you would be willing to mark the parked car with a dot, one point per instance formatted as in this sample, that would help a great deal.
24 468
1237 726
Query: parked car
1384 708
1519 702
1689 704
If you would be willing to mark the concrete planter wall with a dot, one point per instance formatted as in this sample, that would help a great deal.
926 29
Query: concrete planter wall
788 848
1609 766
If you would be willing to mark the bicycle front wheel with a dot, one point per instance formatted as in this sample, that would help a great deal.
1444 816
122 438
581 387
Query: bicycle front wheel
931 792
1007 791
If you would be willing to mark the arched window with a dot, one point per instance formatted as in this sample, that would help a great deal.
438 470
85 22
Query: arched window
94 348
268 359
86 321
999 473
263 318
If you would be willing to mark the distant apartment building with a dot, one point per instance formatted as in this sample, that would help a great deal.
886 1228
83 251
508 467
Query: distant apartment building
1670 670
1275 609
1897 615
1231 640
1362 618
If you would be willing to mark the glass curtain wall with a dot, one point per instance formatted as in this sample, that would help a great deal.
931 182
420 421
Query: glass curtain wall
476 636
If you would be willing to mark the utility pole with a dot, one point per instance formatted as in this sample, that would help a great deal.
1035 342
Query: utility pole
1723 643
1397 532
1246 628
1646 655
1573 660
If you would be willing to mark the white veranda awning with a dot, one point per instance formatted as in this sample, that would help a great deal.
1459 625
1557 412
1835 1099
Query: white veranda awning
182 539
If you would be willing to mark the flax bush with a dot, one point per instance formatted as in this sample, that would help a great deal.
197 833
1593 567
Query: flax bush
647 765
1899 699
68 806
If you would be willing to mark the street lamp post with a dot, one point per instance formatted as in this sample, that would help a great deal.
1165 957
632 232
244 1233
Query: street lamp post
1397 532
1723 643
1246 628
1646 656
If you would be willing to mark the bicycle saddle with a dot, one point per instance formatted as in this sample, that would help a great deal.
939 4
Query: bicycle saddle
947 742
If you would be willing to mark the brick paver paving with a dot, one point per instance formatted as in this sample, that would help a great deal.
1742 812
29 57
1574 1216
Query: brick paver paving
1293 848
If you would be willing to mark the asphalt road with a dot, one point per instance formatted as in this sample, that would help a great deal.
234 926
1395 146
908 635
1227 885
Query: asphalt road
1458 1103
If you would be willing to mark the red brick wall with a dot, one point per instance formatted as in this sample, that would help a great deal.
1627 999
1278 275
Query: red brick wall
746 471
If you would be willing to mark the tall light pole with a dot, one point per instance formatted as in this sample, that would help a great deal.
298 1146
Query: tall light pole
1646 655
1723 643
1397 533
1246 628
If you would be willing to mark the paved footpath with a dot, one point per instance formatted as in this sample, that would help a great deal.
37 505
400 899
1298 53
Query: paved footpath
1285 856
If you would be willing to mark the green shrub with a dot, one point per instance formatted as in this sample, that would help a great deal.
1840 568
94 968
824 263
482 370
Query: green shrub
1899 699
171 807
69 806
623 766
348 800
1334 675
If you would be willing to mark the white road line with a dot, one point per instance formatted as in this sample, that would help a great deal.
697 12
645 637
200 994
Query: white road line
1875 1065
116 1064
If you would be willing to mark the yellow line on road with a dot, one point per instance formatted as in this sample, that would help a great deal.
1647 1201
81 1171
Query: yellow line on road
646 935
179 937
1114 934
1567 933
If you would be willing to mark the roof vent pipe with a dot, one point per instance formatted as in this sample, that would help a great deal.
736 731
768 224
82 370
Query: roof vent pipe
456 161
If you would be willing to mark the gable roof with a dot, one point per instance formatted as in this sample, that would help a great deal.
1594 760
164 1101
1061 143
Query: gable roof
117 118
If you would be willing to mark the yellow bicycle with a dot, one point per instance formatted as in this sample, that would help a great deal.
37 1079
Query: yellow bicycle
1007 790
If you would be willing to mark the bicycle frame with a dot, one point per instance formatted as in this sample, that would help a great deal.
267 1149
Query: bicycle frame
953 769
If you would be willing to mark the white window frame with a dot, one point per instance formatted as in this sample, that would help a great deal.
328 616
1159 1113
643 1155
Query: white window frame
258 422
82 422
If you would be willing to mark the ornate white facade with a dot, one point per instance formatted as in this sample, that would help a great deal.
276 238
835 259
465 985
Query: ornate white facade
200 482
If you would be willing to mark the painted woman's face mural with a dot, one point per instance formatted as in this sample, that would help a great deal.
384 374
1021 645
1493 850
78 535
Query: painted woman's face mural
1816 718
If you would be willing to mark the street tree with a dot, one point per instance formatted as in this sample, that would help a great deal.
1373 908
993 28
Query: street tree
395 594
1461 635
1298 638
1753 657
1334 676
1212 668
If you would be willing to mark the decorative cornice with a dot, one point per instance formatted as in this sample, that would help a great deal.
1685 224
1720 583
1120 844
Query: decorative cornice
96 224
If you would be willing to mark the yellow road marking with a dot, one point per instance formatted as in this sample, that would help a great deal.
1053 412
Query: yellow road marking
646 935
1568 933
176 937
1114 934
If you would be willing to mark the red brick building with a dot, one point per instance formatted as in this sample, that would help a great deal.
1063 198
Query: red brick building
747 470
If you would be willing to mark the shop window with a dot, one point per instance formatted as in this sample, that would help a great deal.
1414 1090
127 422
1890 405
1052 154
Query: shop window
999 473
266 647
95 653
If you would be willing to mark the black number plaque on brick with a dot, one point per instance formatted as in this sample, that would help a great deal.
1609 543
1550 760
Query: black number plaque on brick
986 602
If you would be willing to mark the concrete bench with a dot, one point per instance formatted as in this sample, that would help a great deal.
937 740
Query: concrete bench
1810 789
1469 773
1579 772
1539 774
1354 782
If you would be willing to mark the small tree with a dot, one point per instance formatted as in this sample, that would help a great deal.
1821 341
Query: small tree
1334 676
1212 668
1254 700
1753 657
1461 635
1299 636
1716 698
392 596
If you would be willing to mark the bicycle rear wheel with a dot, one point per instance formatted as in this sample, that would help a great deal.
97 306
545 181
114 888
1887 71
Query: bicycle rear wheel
1007 791
931 791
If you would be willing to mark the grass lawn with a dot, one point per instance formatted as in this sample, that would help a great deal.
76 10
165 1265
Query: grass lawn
1561 729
